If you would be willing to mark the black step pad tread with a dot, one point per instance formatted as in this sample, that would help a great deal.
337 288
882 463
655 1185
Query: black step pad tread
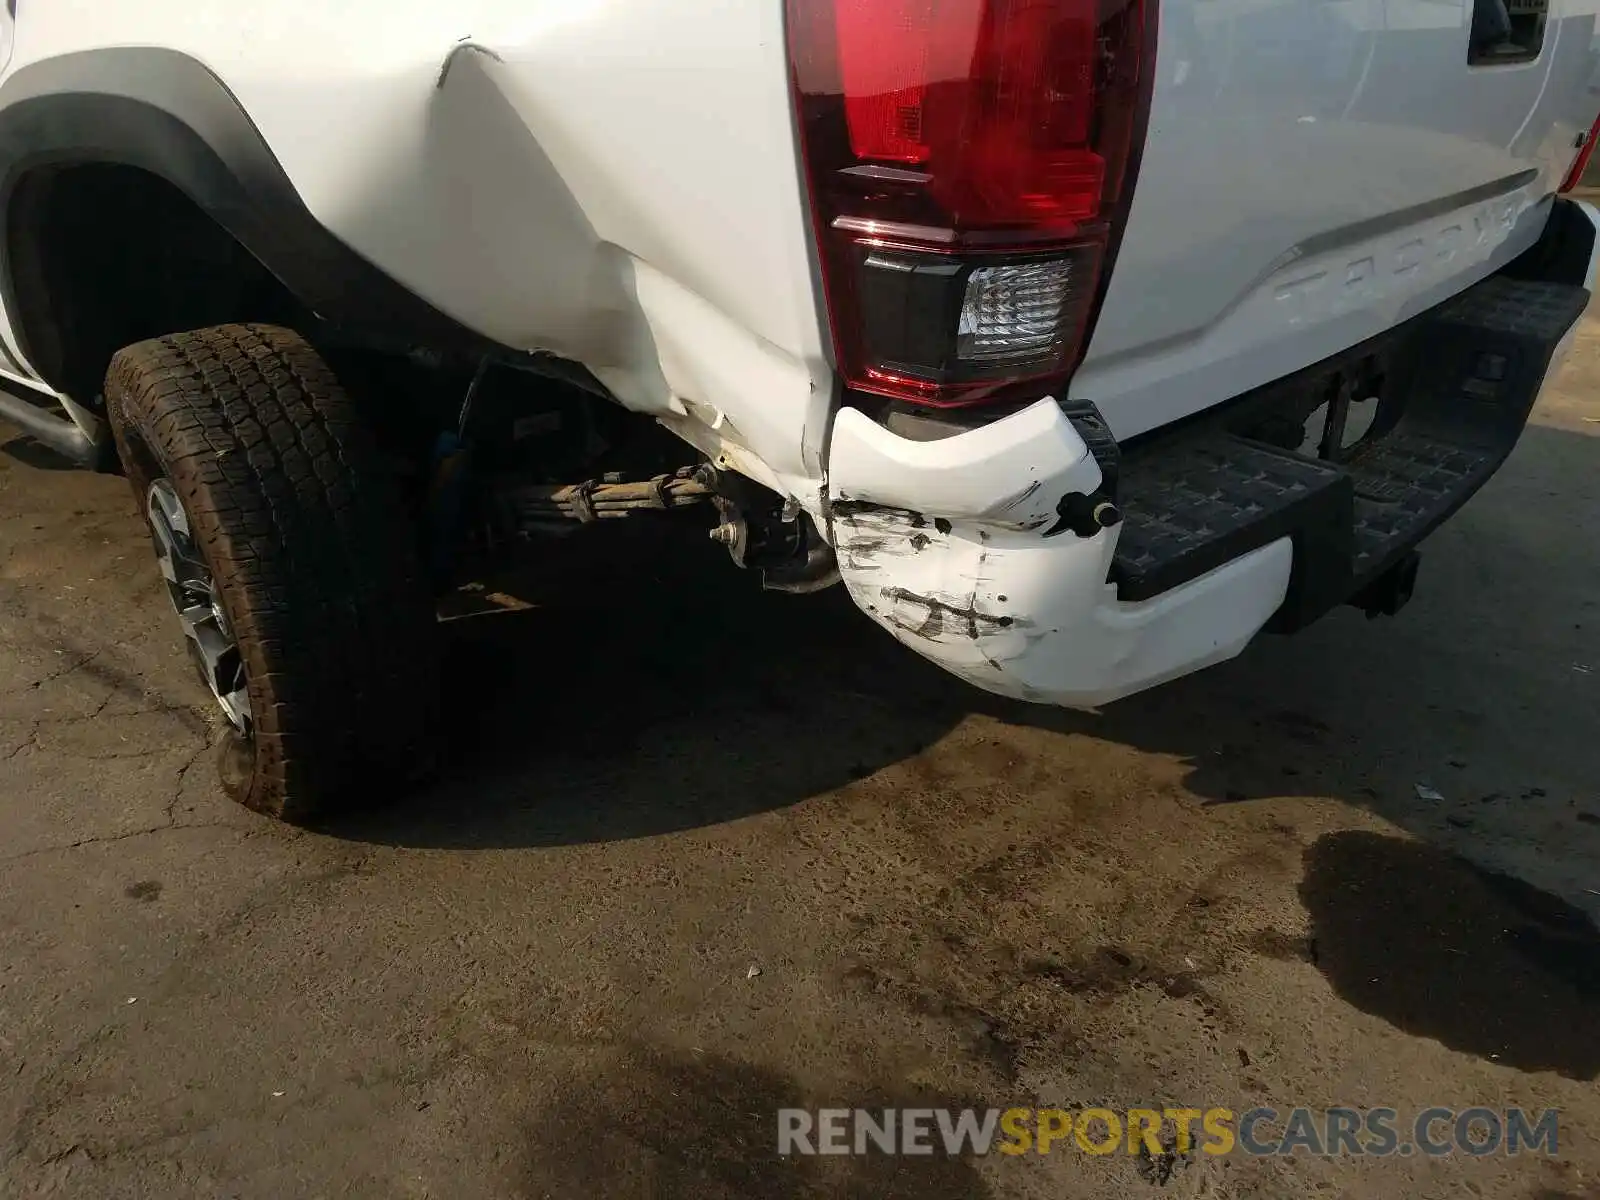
1523 307
1408 482
1192 507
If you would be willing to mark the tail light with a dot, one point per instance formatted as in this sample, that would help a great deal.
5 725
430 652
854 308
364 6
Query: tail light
969 164
1581 162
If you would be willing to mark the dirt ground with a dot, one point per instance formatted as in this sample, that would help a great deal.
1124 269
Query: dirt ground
534 979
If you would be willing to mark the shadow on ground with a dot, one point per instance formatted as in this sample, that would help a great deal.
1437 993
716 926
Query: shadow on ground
36 455
674 699
1484 963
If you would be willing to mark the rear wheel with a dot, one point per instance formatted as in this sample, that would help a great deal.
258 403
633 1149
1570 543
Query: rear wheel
288 559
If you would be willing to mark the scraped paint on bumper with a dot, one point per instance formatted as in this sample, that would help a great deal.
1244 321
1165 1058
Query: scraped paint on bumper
949 545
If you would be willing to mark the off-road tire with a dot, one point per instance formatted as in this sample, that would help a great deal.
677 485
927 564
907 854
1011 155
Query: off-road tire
299 520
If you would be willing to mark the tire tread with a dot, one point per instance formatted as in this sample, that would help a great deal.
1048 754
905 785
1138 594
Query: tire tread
301 521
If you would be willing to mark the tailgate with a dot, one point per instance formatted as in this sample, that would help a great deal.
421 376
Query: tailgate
1317 173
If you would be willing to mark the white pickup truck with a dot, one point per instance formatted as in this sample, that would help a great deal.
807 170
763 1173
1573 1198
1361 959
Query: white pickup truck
1082 340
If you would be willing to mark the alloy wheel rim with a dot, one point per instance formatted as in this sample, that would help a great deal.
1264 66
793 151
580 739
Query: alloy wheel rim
198 604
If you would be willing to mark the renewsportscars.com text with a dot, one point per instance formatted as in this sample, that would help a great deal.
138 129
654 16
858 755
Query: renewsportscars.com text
1371 1132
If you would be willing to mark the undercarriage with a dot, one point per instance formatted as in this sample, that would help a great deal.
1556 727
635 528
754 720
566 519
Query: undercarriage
498 459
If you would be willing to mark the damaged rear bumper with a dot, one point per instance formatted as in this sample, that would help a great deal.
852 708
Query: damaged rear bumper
988 592
955 545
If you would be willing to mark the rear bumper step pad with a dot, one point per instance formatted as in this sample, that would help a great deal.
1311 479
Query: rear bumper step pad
1463 380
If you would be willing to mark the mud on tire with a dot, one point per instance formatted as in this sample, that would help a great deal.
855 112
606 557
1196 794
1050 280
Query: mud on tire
300 523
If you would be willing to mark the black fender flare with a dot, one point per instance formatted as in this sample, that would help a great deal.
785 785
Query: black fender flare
168 114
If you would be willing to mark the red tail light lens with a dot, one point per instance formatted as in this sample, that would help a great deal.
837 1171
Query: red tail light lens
1581 163
968 162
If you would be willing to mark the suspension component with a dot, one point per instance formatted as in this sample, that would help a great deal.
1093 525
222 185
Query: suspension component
760 529
606 498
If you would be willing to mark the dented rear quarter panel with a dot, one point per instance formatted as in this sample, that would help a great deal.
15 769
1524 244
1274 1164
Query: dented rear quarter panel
614 181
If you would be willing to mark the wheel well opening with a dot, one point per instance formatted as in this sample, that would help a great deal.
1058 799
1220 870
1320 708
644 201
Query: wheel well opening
103 255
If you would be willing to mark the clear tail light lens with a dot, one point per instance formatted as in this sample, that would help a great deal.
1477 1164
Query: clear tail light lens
1017 313
969 164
